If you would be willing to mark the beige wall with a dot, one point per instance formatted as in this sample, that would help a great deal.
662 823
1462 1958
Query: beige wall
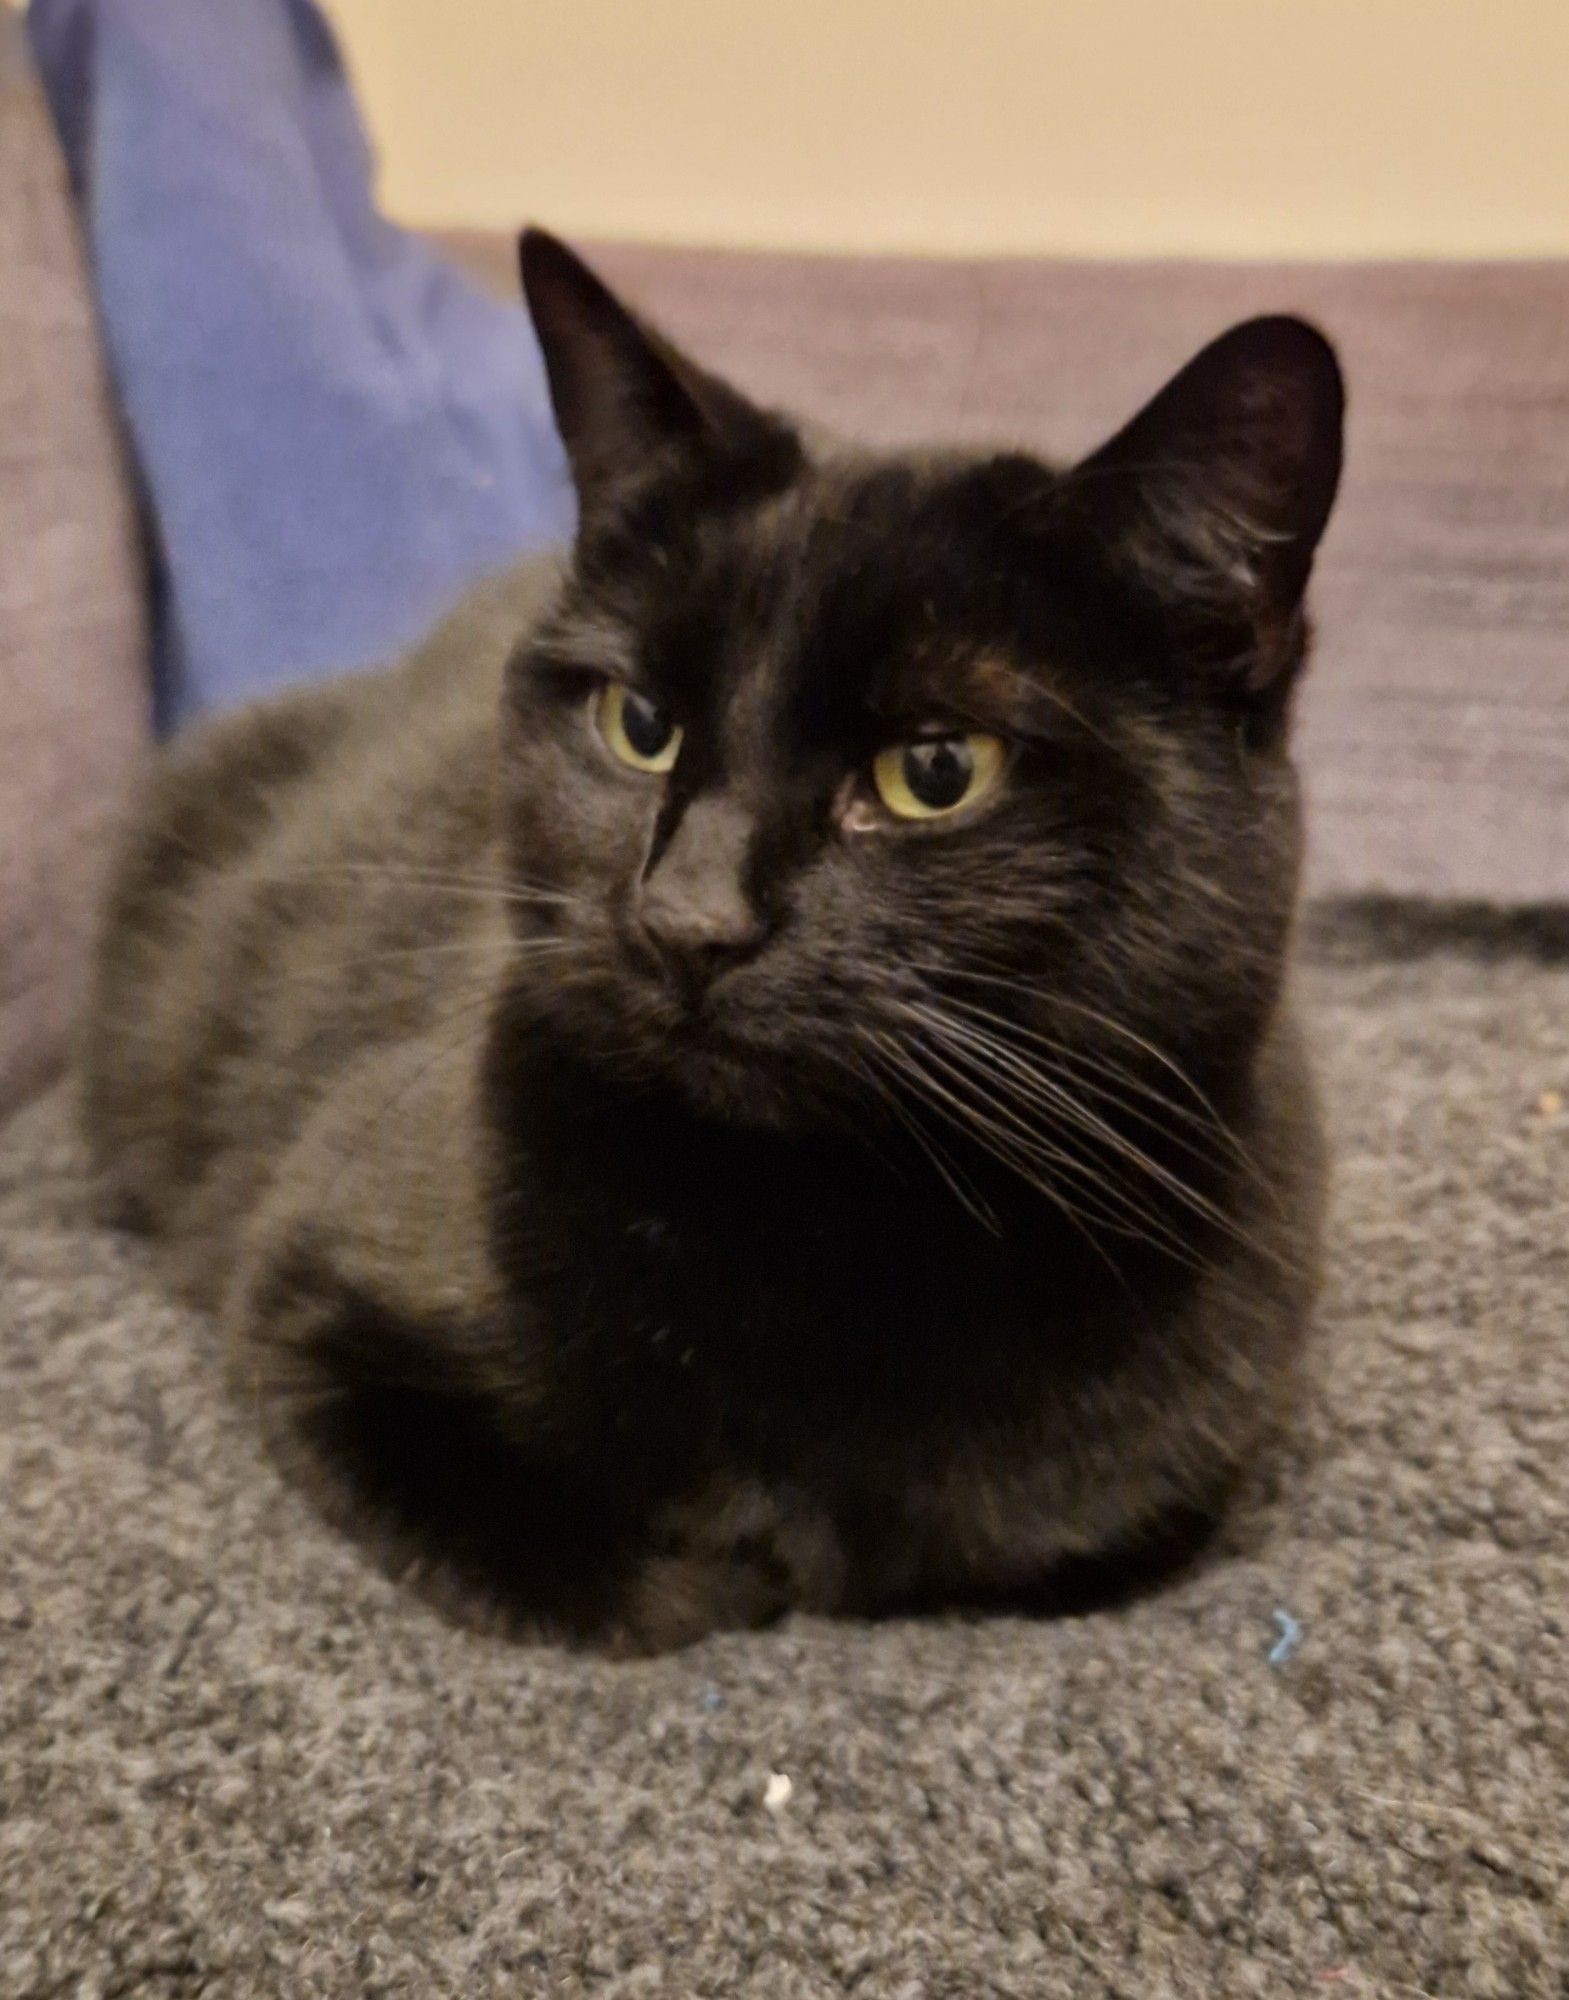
1232 127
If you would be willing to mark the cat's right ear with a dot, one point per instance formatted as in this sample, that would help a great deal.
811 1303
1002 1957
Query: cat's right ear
1217 492
627 399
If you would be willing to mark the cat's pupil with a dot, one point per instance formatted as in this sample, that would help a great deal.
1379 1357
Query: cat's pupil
648 729
938 772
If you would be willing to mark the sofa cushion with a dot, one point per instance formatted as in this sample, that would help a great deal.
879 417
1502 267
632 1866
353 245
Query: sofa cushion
73 657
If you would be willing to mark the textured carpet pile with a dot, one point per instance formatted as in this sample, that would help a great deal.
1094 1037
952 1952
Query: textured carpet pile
235 1760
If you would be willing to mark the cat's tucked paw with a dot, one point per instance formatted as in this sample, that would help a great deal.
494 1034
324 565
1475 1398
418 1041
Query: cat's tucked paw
737 1558
671 1601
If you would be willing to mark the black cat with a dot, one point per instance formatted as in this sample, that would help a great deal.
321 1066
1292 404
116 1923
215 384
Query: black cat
752 1070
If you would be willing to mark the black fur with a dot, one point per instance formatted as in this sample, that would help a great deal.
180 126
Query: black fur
854 1211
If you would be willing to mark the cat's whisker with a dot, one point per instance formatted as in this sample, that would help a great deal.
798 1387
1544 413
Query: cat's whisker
489 953
1111 1205
1100 1019
1097 1199
1205 1142
968 1077
503 890
1206 1112
1036 1087
1118 1079
947 1167
997 1142
403 871
1053 1096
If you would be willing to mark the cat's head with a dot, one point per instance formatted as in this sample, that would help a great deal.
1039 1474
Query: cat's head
831 763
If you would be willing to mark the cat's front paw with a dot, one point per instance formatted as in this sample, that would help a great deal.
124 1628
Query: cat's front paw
738 1558
671 1601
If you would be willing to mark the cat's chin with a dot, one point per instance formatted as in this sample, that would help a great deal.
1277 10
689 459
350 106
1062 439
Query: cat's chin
726 1078
732 1083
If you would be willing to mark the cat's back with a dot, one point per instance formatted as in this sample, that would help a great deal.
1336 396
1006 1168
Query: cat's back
289 884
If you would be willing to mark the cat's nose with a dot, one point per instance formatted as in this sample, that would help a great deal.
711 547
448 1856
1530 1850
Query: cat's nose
696 935
694 909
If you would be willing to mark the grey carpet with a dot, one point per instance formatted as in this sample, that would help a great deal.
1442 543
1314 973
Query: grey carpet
234 1760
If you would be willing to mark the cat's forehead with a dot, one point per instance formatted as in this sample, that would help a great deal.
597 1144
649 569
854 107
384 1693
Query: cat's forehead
892 591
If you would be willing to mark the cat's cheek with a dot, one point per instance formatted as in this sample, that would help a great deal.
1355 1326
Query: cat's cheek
573 825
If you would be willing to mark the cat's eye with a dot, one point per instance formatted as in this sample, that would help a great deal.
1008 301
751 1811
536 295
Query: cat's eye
932 776
638 730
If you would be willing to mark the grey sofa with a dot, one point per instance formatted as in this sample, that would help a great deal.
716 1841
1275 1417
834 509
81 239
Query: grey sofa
74 697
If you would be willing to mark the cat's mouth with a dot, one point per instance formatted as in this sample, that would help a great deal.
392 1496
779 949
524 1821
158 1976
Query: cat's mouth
700 1014
708 1029
722 1074
732 1045
729 1062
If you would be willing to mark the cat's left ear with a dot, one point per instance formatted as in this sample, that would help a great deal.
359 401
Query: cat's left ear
1219 489
627 399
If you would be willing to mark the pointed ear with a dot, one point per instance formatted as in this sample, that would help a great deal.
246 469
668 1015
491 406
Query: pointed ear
625 397
1219 489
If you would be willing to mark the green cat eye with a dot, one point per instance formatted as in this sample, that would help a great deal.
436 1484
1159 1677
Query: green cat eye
638 730
932 776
